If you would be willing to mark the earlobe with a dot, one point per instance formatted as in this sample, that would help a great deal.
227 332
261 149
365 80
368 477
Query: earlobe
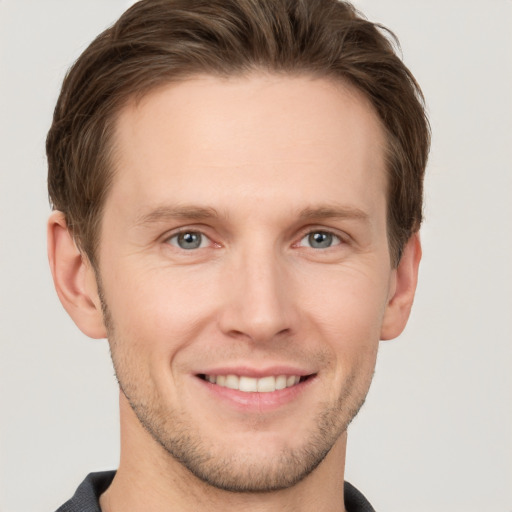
74 278
404 287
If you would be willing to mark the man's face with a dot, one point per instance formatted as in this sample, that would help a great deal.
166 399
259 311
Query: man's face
243 245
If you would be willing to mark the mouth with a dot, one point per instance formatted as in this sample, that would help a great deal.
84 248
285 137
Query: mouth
265 384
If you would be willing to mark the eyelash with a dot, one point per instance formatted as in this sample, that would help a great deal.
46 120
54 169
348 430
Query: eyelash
324 232
184 232
337 239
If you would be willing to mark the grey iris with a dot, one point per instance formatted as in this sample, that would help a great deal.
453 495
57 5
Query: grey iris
320 240
189 240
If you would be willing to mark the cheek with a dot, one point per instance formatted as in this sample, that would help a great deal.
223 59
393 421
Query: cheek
158 312
159 308
347 310
349 300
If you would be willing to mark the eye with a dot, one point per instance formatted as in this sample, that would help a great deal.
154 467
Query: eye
320 240
189 240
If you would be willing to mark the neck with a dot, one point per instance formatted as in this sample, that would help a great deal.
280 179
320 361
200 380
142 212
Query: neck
149 478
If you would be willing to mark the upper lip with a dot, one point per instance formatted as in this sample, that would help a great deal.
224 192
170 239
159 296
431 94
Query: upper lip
257 373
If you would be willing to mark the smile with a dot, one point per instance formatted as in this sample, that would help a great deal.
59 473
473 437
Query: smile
266 384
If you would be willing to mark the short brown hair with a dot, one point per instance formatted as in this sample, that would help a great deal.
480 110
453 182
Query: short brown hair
159 41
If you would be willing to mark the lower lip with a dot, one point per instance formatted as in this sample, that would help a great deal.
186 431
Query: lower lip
258 402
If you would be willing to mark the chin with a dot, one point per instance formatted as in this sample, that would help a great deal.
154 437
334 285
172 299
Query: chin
252 462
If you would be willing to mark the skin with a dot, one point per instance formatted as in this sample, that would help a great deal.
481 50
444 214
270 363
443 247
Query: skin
253 165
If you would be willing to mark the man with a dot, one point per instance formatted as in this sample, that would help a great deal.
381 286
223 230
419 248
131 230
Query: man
237 192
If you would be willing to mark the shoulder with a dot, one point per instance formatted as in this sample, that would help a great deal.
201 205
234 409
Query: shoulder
355 501
86 497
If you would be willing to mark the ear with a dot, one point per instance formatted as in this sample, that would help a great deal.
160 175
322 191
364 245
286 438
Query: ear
403 288
74 278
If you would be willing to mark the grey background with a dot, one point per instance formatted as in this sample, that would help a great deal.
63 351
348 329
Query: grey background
436 432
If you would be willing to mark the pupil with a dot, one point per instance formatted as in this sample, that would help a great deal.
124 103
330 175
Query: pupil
320 240
189 240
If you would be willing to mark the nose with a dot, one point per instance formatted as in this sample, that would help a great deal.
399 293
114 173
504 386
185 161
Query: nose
259 304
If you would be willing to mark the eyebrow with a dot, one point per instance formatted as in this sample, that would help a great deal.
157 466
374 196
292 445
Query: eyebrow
166 213
326 212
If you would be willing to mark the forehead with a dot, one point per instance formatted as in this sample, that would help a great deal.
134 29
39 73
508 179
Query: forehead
261 137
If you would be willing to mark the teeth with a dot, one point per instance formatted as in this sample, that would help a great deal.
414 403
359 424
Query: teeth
231 382
292 380
281 382
252 385
247 384
266 384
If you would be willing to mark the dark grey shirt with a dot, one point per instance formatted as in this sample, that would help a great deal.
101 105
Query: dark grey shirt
86 497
